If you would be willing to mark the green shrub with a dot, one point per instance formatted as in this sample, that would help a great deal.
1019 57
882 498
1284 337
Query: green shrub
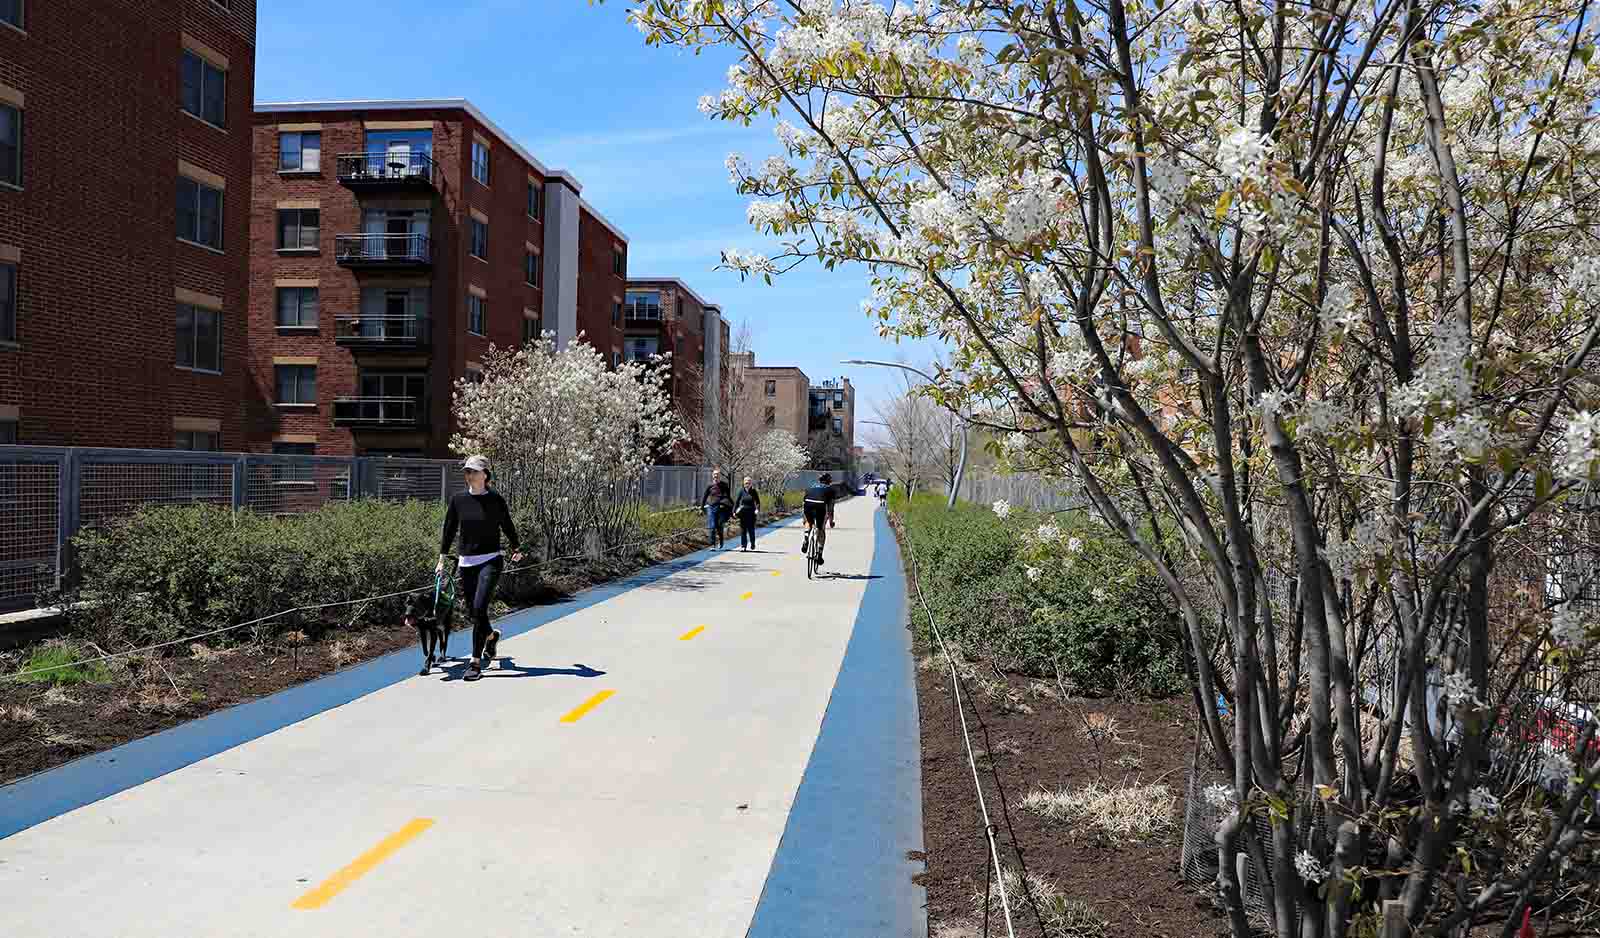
169 571
1093 609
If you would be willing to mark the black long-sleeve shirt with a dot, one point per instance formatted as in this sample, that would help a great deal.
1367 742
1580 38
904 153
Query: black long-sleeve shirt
749 502
480 519
716 493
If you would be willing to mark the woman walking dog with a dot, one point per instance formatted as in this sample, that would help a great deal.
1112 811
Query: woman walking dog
480 514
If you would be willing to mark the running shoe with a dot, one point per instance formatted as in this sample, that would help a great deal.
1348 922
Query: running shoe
473 672
491 646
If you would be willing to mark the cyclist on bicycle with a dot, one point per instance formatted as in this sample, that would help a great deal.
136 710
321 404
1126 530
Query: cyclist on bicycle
819 509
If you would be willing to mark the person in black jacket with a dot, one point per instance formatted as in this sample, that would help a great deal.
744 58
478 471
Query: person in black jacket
480 514
716 502
746 506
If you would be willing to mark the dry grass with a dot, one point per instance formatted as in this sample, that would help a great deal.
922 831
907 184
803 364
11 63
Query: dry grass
56 696
1123 811
339 652
162 697
207 653
1061 917
20 714
1129 762
58 738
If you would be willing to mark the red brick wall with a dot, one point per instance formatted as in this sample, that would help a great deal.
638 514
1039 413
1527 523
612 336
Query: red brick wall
600 288
94 222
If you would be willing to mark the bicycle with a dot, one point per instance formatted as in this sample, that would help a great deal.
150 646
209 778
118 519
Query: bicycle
814 552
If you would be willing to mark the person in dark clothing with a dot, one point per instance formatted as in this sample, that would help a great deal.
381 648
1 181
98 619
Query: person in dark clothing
747 505
716 502
480 515
819 508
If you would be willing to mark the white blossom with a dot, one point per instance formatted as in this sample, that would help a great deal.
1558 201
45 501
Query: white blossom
1242 155
1580 446
1309 867
1459 690
1555 769
1048 533
1033 573
1099 593
1568 627
1272 402
1075 545
1002 508
1218 795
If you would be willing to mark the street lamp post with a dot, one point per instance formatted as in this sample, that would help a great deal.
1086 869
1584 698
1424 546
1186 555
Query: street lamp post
961 464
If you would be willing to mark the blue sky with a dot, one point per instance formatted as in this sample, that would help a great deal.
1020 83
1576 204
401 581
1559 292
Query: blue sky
576 84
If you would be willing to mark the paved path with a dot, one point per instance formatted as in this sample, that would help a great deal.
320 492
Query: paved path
632 768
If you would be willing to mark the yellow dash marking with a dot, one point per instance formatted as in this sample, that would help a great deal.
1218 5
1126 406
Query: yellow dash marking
777 573
364 864
691 633
586 706
747 595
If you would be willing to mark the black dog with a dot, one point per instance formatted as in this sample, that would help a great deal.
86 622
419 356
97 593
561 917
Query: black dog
433 629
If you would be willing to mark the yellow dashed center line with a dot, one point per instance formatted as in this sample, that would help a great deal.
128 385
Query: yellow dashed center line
586 706
364 864
691 633
777 573
747 595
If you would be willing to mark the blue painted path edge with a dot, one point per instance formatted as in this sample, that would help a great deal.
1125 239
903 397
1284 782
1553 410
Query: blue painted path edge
841 869
39 797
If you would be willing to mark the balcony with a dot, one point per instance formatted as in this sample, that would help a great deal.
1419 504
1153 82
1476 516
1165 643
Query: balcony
643 317
383 333
386 172
408 251
380 413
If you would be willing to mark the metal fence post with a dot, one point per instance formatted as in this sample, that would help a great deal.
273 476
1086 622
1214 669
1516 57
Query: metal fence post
69 481
241 473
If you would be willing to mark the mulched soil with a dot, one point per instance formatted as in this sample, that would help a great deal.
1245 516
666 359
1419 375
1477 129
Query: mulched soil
41 728
1134 886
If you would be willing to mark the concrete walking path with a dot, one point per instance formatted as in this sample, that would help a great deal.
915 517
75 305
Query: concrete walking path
630 768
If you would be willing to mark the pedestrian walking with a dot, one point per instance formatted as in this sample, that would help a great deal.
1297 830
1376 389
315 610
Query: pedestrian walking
717 503
480 515
747 505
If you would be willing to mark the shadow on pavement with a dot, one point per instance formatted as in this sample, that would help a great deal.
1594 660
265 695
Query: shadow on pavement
508 667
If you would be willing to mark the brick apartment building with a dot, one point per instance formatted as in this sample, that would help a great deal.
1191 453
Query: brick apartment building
124 221
663 314
773 397
832 420
393 242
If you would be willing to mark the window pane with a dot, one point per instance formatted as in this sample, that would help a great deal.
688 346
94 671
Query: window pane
185 335
192 79
8 303
210 223
11 12
286 218
216 96
289 151
8 432
188 197
310 227
182 440
207 340
10 145
311 151
309 306
308 384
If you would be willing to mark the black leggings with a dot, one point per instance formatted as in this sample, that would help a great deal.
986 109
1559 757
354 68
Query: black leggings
747 530
477 586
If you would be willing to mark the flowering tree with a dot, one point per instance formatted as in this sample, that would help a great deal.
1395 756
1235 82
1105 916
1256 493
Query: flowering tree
1303 296
569 438
774 456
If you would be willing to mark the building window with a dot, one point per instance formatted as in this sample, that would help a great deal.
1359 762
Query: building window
299 229
474 374
297 307
644 305
294 472
8 433
199 334
640 349
477 315
838 425
204 441
300 152
199 213
530 329
480 162
8 302
535 200
838 398
531 264
480 240
616 314
11 12
10 145
772 389
205 90
772 417
619 262
297 384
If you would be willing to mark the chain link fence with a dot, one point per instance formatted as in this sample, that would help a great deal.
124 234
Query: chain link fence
1022 490
48 494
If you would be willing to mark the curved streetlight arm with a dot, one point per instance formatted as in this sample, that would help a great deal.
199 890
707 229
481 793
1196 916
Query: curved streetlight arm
961 463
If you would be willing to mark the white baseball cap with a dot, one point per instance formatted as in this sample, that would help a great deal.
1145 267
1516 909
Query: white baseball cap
480 463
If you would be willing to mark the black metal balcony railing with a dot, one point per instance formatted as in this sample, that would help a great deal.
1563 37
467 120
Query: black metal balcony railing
397 332
397 413
641 311
383 250
379 169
